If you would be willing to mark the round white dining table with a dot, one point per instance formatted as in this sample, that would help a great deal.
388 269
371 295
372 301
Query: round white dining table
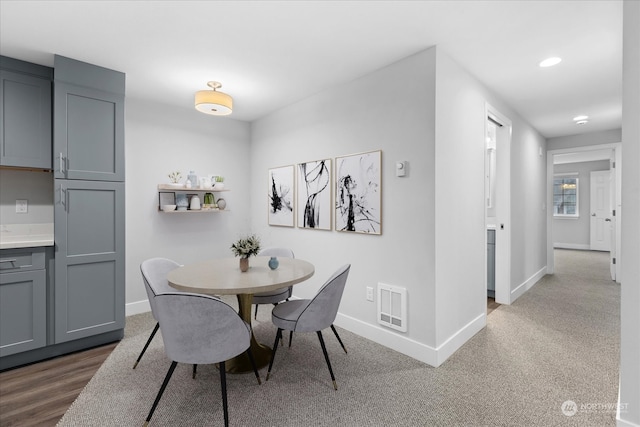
222 276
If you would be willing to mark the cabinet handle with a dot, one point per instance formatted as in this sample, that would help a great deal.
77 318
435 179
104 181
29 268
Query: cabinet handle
63 164
63 198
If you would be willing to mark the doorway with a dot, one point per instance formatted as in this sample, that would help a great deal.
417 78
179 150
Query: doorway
498 202
612 152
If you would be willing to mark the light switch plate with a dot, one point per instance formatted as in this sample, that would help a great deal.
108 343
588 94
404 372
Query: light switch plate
22 206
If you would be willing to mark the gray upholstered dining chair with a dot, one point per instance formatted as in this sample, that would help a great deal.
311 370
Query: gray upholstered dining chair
200 329
154 275
282 294
312 315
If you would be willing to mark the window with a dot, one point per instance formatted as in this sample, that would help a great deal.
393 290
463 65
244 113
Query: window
565 195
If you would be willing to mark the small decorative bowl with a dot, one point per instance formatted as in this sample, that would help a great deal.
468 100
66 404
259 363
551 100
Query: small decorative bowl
168 208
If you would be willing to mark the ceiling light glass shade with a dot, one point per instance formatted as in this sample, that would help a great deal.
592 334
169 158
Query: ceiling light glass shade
213 102
578 118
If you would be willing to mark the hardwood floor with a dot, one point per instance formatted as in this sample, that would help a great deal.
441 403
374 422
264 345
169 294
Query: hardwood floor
40 394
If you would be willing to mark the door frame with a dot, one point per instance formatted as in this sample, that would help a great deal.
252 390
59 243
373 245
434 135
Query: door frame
503 217
617 149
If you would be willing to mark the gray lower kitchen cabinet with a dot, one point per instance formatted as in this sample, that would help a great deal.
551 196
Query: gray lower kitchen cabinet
89 258
25 114
23 301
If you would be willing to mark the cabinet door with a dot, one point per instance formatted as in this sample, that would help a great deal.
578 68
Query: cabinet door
88 133
89 259
25 112
23 311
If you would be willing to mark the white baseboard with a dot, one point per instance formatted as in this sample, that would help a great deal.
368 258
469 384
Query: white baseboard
137 307
528 284
419 351
622 423
578 246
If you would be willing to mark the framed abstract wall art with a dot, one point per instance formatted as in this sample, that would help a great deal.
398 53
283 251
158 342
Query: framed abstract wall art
358 193
281 196
314 195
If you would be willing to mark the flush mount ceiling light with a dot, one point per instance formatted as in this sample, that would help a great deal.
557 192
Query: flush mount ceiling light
580 118
214 102
550 62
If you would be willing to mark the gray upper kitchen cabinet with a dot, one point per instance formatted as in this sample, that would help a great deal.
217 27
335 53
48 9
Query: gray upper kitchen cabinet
90 258
88 121
25 114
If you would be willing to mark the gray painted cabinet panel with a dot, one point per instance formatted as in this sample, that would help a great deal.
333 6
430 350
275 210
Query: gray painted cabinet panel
89 133
23 311
89 258
25 112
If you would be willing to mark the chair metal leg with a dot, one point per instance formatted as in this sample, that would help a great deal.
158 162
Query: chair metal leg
223 386
195 367
153 333
273 352
338 336
290 338
256 315
164 385
326 357
253 365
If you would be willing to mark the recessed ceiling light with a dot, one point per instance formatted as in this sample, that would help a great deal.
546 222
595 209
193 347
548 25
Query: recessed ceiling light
582 122
549 62
578 118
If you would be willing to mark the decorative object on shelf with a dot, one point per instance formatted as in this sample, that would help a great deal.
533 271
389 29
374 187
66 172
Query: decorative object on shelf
358 193
193 178
205 182
280 201
168 208
194 204
209 201
314 195
244 248
219 183
182 202
273 263
222 203
174 177
213 102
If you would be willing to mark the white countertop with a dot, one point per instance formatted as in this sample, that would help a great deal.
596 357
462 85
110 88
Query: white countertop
25 235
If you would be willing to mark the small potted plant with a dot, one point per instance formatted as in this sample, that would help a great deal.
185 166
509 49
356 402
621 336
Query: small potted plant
219 183
244 248
174 178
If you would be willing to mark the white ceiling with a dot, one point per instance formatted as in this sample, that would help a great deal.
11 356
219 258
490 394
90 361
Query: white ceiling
269 54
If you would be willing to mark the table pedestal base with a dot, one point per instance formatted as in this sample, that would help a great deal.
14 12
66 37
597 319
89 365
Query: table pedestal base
261 353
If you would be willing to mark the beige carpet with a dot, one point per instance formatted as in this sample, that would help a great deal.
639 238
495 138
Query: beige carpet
558 342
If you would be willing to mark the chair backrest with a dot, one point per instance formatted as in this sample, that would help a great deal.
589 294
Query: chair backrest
322 310
199 329
274 251
154 275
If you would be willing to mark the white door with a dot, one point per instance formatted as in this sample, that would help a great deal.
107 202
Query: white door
600 225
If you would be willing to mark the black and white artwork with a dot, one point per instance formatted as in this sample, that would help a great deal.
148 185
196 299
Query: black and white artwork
314 195
280 203
358 193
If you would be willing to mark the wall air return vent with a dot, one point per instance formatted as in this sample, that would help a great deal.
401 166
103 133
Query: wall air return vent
392 307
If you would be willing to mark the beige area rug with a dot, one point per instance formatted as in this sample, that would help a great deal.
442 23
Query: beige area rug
559 342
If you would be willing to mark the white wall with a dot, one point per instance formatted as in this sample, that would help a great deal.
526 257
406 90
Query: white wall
431 112
630 282
459 203
585 139
161 139
364 115
571 232
34 186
